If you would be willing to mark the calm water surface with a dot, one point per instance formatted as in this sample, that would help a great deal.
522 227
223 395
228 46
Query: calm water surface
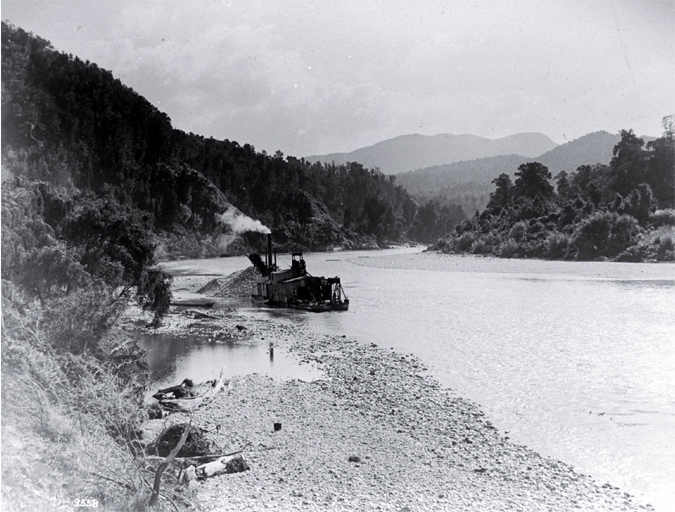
575 360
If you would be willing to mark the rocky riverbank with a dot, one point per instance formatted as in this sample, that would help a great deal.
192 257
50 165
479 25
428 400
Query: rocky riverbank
375 432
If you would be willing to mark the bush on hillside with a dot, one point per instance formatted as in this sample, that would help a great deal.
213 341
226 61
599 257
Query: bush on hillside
604 234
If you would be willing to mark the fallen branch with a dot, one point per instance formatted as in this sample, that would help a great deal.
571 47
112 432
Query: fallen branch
190 404
203 457
165 464
215 468
182 390
201 316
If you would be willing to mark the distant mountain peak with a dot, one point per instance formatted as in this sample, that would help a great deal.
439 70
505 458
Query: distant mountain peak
416 151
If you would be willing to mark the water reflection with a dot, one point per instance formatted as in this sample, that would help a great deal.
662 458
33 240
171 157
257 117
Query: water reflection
173 358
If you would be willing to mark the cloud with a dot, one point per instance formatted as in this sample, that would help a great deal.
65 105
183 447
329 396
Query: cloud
310 78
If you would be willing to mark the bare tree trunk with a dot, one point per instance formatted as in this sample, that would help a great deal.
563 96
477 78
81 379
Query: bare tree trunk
165 464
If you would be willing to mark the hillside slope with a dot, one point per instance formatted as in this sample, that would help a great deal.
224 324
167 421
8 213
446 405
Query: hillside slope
73 125
475 176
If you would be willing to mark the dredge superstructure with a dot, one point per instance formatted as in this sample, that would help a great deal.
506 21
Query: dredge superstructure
295 287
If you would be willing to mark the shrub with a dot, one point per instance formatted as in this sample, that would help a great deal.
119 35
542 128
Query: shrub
480 247
657 244
662 242
465 242
535 248
663 218
519 230
604 234
557 245
508 248
535 226
624 230
666 249
636 253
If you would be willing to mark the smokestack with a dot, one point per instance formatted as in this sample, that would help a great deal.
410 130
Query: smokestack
269 250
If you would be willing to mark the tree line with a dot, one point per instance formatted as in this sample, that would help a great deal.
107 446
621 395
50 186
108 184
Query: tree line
73 125
624 210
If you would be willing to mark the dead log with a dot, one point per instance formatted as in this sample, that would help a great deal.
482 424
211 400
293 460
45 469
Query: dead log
183 390
224 465
190 404
202 316
227 463
165 464
209 457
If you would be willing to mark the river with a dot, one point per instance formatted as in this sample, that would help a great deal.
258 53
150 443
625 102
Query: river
575 360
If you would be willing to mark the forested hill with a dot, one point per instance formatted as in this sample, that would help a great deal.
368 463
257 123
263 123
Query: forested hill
469 183
74 126
622 210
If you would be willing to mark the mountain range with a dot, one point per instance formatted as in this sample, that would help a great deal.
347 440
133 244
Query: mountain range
409 152
590 149
469 183
468 163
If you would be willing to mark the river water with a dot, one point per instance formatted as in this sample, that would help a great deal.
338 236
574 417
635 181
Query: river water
575 360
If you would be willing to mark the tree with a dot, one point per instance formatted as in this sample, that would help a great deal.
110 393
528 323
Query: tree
113 240
564 185
532 180
154 292
628 166
501 197
661 165
640 203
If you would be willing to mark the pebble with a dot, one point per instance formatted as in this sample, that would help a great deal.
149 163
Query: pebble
376 433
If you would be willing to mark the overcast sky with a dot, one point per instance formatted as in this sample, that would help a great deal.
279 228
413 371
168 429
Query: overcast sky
314 77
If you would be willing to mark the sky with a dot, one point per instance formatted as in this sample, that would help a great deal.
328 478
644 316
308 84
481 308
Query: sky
315 77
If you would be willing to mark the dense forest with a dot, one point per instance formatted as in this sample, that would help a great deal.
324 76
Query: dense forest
469 183
623 211
74 126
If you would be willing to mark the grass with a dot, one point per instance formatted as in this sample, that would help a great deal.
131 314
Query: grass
70 421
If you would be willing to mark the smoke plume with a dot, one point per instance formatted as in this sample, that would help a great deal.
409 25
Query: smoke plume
241 223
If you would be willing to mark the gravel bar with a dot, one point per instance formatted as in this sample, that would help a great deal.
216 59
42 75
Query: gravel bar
376 433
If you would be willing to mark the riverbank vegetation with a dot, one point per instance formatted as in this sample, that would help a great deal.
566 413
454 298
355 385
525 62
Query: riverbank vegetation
623 211
72 379
97 185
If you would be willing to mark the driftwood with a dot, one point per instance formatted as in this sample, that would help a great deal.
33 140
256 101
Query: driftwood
165 464
228 463
201 316
194 303
209 457
183 390
192 403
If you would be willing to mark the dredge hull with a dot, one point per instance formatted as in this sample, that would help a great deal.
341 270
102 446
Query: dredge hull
295 287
